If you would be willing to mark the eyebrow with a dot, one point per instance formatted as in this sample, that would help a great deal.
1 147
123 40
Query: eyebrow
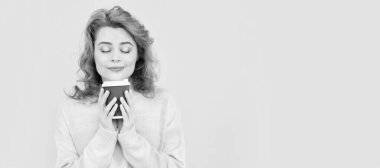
122 43
126 42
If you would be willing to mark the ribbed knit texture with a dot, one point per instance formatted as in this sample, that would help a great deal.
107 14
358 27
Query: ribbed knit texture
155 140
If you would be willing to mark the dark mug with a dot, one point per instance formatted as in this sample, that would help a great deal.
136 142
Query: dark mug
116 89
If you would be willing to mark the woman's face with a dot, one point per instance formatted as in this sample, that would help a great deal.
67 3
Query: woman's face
115 53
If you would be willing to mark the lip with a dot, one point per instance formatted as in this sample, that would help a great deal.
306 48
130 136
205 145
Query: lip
116 69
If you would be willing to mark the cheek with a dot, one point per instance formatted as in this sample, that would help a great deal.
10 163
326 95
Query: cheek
130 64
99 63
131 61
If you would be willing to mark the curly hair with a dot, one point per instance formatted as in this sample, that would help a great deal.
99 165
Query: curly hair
143 77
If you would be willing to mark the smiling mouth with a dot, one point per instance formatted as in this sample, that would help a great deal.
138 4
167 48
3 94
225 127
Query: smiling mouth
116 69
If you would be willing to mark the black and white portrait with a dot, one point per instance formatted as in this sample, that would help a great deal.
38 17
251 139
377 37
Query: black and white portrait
189 84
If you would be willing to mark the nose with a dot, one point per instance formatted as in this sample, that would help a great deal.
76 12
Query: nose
115 57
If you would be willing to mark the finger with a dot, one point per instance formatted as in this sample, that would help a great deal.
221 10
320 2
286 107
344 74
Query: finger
112 113
110 104
127 109
126 106
100 94
124 113
105 96
129 99
126 93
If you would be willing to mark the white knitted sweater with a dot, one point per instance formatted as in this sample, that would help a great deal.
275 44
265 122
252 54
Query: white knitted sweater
156 140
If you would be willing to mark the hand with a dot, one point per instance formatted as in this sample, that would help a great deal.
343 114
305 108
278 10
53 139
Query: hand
127 111
106 113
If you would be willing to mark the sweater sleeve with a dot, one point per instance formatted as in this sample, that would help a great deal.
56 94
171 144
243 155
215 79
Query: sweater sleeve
97 154
140 154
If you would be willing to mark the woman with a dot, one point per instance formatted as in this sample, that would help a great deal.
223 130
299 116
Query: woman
150 135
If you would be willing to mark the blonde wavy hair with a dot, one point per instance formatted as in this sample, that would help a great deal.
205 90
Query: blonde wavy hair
143 77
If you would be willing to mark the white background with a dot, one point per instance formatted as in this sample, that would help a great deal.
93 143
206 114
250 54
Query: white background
264 84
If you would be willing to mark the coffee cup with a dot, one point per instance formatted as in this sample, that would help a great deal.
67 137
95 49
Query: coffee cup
116 89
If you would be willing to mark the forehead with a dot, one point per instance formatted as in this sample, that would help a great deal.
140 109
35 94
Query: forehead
113 35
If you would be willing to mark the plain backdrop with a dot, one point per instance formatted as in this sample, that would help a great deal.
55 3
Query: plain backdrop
261 84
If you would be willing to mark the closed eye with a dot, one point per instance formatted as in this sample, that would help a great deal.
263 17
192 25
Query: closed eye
125 50
105 49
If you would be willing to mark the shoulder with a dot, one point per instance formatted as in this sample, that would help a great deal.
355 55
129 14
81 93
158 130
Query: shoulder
168 98
172 111
161 99
69 105
164 95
